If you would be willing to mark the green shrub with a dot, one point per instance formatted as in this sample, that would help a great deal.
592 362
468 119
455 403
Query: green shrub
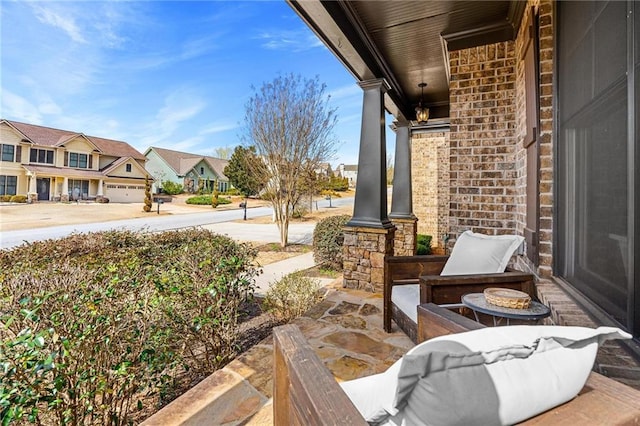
327 241
5 198
292 296
90 322
206 200
172 188
232 191
18 199
423 245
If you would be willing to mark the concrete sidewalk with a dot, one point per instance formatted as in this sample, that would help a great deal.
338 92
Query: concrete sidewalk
276 270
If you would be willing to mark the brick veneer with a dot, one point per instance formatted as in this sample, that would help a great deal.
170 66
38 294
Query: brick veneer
488 165
363 252
430 175
482 139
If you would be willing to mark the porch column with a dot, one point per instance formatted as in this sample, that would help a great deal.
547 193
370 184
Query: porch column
64 194
32 194
401 215
100 183
368 236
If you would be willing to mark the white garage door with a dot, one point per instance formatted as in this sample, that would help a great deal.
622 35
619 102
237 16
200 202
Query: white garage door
121 193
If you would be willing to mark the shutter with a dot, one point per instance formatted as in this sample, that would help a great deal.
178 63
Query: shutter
91 161
529 56
66 159
18 154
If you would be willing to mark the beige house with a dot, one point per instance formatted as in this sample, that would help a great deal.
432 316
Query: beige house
48 164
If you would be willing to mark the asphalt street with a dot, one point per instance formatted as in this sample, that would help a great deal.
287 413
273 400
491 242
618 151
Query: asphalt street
297 233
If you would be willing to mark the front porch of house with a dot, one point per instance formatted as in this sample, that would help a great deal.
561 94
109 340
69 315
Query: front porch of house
345 331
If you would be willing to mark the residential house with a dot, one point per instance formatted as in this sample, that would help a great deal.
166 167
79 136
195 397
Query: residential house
324 170
349 171
194 172
532 128
47 164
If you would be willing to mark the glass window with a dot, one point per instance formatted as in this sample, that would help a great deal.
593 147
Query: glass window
78 161
44 156
8 185
8 152
594 246
128 168
78 189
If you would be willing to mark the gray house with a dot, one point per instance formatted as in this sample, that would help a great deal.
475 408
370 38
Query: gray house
193 171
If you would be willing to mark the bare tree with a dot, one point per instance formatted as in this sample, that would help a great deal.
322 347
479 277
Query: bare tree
290 123
223 152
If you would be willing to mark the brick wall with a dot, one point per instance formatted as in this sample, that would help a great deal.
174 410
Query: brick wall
430 177
483 175
545 101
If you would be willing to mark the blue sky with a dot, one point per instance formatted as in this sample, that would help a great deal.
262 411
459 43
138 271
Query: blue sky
160 73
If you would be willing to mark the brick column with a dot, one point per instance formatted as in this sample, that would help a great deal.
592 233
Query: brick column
364 250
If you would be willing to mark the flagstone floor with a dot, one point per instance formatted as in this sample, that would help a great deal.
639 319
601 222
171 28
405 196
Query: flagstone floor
346 332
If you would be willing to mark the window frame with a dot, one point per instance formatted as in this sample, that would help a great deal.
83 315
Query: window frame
41 152
4 184
76 160
13 152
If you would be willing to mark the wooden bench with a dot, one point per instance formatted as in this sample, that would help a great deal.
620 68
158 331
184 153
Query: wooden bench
434 288
306 393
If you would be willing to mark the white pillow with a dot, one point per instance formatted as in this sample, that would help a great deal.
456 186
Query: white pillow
498 375
481 254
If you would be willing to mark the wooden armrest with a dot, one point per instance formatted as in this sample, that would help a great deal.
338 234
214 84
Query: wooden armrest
435 321
405 282
305 392
450 288
509 276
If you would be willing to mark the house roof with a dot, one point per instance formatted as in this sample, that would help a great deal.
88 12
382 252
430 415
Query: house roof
183 162
407 42
351 168
47 136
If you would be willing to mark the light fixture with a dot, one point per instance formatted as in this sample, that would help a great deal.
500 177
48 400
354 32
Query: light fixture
422 112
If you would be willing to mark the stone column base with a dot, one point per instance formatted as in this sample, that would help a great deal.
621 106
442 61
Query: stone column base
404 242
364 250
64 198
32 197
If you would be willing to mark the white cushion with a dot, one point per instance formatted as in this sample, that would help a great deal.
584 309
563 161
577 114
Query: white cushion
499 375
406 298
481 254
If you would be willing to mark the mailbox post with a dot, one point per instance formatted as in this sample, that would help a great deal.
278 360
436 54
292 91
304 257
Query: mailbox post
158 202
243 205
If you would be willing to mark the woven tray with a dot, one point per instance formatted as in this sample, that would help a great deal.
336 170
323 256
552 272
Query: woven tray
507 298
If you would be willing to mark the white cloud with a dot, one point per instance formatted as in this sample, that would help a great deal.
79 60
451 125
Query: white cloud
46 14
218 127
347 92
16 107
179 106
294 41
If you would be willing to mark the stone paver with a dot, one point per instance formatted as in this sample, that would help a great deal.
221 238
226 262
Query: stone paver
345 331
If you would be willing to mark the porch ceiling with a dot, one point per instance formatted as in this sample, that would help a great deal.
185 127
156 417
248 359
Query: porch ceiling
406 42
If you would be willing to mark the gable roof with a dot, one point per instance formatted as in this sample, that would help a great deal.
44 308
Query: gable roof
183 162
47 136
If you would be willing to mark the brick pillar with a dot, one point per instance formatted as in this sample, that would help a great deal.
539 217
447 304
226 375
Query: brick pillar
364 250
404 242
